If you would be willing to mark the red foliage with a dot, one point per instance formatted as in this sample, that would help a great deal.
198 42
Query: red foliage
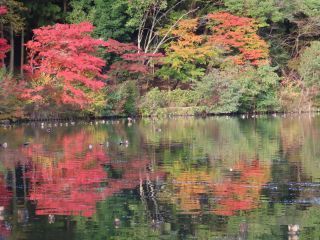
239 33
241 194
66 55
132 60
3 10
5 195
4 47
5 200
74 184
113 46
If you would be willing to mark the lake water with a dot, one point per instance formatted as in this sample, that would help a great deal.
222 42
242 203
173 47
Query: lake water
184 178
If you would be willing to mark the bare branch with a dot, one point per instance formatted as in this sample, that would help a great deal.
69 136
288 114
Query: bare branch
171 28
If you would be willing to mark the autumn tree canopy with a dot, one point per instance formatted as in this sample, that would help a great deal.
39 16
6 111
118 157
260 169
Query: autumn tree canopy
238 36
131 60
202 42
63 64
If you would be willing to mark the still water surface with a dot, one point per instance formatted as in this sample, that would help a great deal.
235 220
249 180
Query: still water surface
185 178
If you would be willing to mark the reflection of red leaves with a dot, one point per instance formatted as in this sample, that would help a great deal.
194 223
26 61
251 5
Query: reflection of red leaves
5 199
230 206
74 184
5 195
243 193
69 188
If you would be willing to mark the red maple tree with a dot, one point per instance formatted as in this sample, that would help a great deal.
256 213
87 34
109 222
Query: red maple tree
4 47
63 63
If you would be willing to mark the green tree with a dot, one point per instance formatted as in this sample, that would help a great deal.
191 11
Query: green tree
219 91
111 20
309 68
41 13
82 11
259 88
261 10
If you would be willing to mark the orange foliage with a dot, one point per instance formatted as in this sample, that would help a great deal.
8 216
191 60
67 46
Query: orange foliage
242 193
189 45
238 33
231 195
188 188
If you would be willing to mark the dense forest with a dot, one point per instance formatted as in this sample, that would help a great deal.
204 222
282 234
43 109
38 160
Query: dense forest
63 58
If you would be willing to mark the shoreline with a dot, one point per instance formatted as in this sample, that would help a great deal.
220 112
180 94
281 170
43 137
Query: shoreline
252 115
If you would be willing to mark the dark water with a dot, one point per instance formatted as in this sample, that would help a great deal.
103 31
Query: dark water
186 178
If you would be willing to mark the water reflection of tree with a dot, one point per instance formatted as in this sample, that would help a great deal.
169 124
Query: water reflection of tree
200 191
218 141
80 177
5 199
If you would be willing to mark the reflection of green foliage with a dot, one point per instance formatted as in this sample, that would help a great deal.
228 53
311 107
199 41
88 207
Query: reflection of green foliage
102 225
217 141
262 223
310 223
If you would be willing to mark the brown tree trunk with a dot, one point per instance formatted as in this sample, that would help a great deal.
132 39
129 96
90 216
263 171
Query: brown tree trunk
11 64
193 7
65 6
2 36
22 53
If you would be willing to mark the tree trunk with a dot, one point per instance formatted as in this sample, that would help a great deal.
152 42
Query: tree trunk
65 6
22 53
175 85
11 65
193 7
2 36
245 7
